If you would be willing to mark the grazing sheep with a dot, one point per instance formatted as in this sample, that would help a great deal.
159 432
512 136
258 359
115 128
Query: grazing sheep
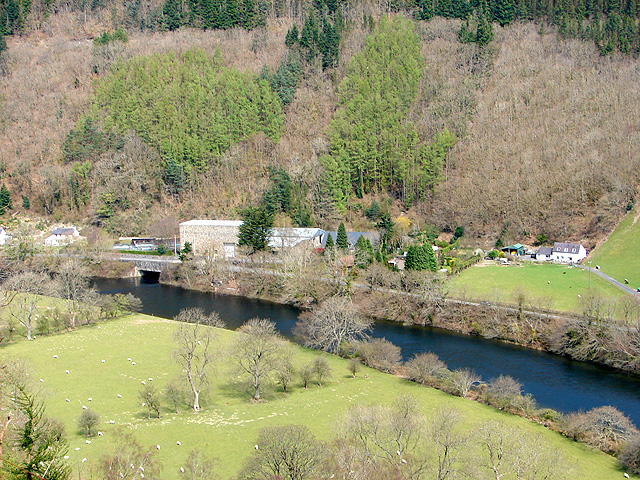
67 372
158 447
133 363
84 459
84 407
128 359
66 457
55 356
42 380
100 434
67 400
102 361
88 442
143 382
90 399
112 422
181 469
150 379
119 396
178 443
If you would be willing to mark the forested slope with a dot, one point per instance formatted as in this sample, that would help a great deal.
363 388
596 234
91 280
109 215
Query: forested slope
531 134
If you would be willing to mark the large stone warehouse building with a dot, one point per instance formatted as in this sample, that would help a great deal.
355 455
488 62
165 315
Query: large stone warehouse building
217 238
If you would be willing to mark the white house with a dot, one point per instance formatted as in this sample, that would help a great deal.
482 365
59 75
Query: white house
543 254
568 252
4 236
62 236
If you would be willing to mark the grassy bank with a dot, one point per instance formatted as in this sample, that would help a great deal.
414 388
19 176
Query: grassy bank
618 255
558 287
228 425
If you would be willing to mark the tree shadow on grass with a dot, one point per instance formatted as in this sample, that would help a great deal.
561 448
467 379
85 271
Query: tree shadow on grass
239 390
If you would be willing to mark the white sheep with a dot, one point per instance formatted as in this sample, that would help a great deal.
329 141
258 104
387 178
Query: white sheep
112 422
178 443
55 356
67 372
181 469
150 379
42 380
66 457
143 382
88 442
133 363
67 400
100 434
158 447
84 407
128 359
90 399
119 396
102 361
84 460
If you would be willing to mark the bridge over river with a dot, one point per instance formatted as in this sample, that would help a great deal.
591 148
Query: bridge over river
148 263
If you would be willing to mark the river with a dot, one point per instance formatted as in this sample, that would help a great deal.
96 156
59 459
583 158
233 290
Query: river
554 381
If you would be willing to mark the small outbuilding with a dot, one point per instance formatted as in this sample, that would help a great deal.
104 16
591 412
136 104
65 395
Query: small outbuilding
518 249
543 254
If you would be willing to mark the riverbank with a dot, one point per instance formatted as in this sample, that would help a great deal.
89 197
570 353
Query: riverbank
416 298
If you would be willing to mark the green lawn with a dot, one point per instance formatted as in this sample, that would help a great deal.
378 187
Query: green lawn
557 286
228 425
618 255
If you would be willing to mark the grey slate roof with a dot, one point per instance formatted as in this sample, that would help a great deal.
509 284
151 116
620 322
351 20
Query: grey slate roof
571 247
64 231
544 251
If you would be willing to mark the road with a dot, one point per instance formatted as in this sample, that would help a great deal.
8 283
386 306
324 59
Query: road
609 279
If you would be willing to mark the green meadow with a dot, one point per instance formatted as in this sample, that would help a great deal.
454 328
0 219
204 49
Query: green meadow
618 255
227 426
558 287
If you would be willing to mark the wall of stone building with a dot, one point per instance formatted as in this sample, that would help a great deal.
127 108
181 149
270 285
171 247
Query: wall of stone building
208 239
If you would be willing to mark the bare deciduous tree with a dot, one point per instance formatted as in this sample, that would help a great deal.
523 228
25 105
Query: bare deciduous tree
198 467
195 347
334 321
30 286
288 452
602 427
448 441
150 400
257 350
460 381
508 453
129 459
392 436
73 286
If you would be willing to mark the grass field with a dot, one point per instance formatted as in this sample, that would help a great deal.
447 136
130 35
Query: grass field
500 283
228 425
618 255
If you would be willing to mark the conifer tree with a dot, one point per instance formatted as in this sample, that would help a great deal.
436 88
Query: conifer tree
5 197
341 238
292 36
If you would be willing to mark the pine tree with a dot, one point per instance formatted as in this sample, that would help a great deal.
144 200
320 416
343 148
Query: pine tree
329 246
432 264
171 13
255 230
329 46
292 36
504 11
424 9
342 240
25 202
5 197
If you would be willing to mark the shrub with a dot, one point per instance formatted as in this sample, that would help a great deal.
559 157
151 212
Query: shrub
425 368
629 456
603 427
87 422
380 353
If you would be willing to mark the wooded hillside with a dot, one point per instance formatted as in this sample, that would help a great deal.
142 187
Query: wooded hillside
529 135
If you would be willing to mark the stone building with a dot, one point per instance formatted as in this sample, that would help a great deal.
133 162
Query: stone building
217 238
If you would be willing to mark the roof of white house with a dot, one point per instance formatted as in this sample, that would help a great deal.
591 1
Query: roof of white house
570 247
213 223
65 231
